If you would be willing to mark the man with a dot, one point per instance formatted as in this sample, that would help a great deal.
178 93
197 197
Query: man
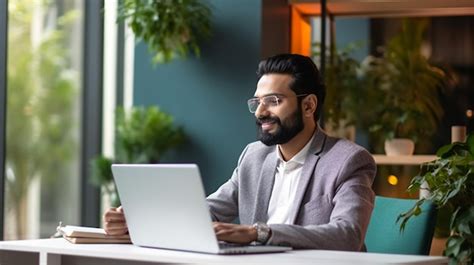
297 186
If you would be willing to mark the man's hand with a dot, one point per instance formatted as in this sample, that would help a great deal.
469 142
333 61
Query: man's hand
242 234
114 221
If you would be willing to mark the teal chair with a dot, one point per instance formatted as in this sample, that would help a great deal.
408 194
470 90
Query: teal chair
383 233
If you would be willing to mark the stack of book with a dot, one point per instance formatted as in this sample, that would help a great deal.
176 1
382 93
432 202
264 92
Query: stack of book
90 235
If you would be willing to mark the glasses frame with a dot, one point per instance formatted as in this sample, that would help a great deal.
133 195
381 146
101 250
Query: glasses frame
277 97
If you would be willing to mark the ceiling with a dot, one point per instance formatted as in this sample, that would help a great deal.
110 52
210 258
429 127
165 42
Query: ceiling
387 8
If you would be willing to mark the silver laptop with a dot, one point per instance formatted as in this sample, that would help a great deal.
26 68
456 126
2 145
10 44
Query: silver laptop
165 207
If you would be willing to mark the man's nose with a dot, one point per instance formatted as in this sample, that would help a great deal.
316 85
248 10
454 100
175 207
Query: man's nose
261 110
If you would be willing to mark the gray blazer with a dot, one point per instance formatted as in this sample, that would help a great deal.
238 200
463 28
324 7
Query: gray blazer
334 197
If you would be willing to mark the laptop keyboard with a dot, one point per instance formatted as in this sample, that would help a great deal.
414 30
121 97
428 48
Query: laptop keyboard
224 245
230 245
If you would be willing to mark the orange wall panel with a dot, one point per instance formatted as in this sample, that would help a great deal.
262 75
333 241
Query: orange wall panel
300 33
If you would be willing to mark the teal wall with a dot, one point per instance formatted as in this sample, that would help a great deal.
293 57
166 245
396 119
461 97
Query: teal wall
350 30
208 96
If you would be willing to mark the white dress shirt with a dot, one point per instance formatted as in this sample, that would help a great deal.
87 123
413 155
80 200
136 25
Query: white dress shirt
284 188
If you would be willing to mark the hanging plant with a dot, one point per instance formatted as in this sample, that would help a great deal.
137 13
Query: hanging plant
171 28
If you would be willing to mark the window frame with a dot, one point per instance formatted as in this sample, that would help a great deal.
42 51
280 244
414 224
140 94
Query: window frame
3 107
91 108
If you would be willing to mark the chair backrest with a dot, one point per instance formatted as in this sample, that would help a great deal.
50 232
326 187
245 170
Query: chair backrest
384 236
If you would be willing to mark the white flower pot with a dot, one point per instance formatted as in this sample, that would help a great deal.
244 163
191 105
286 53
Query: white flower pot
399 146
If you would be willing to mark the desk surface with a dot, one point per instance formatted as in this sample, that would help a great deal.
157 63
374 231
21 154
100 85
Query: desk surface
60 247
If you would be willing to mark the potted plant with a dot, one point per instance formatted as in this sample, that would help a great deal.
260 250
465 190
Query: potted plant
410 108
449 182
171 29
142 135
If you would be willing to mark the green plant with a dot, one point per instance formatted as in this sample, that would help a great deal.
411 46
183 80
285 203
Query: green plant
142 135
410 107
450 183
344 85
171 28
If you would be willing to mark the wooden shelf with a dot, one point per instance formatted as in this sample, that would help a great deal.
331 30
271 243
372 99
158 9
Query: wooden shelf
392 8
403 160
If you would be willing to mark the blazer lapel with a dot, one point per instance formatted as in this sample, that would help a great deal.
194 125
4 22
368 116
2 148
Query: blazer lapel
265 187
307 171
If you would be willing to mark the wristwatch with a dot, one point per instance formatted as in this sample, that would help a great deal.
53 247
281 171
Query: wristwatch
263 232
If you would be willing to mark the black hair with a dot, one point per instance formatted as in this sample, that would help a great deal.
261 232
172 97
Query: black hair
306 76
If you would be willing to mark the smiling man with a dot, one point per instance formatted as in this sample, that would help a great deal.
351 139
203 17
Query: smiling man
296 186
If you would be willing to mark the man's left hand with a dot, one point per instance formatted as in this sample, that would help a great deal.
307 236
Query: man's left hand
242 234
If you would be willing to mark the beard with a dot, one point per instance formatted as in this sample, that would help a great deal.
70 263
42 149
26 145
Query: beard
285 130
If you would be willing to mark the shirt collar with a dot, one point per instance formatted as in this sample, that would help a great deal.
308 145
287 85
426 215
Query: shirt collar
300 157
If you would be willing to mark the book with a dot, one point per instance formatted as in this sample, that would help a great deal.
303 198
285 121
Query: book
90 240
90 235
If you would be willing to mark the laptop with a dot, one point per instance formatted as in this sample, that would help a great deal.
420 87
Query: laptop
165 207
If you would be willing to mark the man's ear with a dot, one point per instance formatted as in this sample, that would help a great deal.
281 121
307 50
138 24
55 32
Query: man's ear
309 105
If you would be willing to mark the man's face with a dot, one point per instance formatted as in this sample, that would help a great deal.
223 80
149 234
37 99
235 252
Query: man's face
277 124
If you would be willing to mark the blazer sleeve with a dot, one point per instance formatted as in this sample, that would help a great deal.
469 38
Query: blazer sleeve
353 204
223 204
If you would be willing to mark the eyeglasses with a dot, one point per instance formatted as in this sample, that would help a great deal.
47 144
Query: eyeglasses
267 101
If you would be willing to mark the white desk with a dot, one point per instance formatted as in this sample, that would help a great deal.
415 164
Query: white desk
59 251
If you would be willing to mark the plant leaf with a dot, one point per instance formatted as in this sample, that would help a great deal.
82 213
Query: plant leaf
453 246
470 143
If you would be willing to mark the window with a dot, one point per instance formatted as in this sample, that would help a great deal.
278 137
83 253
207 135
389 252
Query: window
43 117
51 114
